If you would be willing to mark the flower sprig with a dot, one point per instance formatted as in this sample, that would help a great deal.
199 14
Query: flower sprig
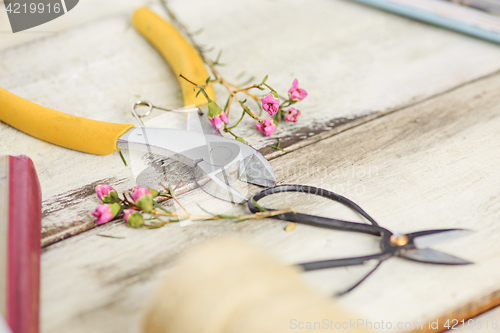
277 106
142 209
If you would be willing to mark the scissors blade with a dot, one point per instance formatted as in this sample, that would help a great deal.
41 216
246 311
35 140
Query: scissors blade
433 257
438 236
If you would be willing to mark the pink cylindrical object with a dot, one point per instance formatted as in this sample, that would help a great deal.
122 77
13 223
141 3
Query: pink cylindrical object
20 237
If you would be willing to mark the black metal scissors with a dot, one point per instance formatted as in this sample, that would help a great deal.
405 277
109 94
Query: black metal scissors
414 246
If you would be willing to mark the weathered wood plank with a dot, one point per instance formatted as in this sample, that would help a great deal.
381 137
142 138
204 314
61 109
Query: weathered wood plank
434 165
487 322
87 11
353 60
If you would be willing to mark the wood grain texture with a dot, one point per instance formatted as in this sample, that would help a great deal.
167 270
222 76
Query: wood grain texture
465 316
487 322
433 165
87 11
354 61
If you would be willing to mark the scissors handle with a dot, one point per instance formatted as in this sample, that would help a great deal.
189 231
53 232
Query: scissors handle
324 264
330 223
319 221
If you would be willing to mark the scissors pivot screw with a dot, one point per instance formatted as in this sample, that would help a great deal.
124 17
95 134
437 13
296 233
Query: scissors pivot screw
399 241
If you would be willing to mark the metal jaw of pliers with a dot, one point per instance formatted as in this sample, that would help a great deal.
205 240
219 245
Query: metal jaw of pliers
218 162
414 246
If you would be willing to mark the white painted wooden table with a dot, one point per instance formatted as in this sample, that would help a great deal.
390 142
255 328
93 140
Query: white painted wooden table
402 117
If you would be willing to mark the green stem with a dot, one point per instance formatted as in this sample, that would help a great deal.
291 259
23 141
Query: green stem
242 115
196 85
161 208
188 80
123 158
269 87
228 131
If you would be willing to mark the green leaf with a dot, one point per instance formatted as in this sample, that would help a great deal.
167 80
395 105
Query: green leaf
197 32
248 81
153 192
229 217
241 220
262 209
239 138
161 208
171 191
206 211
278 148
216 62
155 225
242 115
227 104
109 236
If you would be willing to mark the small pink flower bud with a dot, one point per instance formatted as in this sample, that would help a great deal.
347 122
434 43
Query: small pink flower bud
267 128
216 115
216 121
106 212
295 93
142 198
137 192
271 103
292 115
133 218
106 193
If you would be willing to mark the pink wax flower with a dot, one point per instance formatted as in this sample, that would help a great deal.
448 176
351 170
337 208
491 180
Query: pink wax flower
106 213
295 93
133 218
292 115
137 192
216 115
267 128
106 193
127 213
271 103
142 198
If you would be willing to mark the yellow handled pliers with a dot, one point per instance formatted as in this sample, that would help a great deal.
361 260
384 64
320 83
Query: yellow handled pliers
213 156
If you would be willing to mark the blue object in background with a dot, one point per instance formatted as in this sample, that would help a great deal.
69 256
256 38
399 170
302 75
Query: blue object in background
435 19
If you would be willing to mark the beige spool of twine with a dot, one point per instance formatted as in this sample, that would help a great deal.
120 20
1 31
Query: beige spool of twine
231 286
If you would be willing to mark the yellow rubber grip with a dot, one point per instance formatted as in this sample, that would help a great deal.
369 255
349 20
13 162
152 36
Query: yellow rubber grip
82 134
182 56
